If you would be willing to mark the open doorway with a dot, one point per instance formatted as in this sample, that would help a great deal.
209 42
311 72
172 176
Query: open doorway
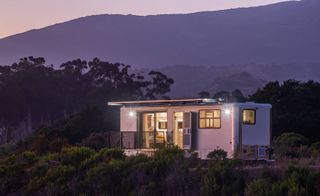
178 129
154 129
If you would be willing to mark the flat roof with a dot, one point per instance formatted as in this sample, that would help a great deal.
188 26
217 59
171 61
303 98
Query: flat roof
164 101
182 102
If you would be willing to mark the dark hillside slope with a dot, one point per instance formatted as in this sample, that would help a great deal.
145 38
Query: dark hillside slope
280 33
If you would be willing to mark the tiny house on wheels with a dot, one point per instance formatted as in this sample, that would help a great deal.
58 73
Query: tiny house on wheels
243 130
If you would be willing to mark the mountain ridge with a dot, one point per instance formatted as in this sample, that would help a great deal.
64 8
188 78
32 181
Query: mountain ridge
224 37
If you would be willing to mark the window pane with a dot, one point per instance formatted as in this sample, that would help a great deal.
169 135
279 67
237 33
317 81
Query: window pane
207 122
202 123
216 123
209 115
249 116
148 122
217 113
202 114
210 118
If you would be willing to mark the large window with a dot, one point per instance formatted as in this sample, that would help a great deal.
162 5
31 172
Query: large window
210 119
249 116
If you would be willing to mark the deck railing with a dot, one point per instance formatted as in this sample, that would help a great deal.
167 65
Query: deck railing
143 139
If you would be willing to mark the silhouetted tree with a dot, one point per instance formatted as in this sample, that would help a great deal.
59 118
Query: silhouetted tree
30 90
204 94
295 107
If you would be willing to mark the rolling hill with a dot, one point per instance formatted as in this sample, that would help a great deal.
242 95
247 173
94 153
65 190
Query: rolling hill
218 50
286 32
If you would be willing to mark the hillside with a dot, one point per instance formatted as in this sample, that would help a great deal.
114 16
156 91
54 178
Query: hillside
279 33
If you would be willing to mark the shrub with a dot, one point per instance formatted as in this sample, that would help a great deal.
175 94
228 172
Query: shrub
297 179
6 149
217 155
292 145
258 187
222 179
97 141
169 154
111 153
315 150
29 157
43 144
75 155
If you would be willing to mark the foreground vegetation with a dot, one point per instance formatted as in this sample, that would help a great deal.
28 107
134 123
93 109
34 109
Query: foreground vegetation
82 170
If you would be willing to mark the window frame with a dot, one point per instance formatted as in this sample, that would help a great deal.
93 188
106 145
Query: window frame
213 118
255 116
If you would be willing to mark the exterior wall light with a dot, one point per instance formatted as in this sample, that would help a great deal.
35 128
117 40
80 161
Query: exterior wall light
227 111
131 114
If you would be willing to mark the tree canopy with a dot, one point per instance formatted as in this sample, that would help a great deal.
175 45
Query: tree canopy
295 107
31 90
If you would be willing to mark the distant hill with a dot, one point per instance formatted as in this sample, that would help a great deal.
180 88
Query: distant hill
190 80
279 33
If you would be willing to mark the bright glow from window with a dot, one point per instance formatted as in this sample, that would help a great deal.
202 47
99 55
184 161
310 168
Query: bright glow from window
131 114
227 111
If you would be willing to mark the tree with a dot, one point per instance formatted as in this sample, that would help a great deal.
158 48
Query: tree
33 94
295 106
204 94
290 145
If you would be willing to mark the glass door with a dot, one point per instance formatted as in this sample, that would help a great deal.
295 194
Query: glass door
178 129
154 129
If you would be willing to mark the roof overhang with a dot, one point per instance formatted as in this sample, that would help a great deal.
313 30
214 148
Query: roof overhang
164 102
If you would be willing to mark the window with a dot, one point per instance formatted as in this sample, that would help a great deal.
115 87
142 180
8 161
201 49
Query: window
249 116
262 151
210 119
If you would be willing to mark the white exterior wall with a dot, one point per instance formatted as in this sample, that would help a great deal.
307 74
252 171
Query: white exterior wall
259 133
210 139
127 122
206 139
226 138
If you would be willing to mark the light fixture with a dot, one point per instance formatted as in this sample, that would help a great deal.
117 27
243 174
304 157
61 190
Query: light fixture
131 114
227 111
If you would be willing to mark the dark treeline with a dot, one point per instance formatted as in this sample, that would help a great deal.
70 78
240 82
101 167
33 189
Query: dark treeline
33 94
295 107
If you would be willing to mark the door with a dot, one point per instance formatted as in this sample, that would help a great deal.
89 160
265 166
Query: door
154 129
187 130
178 129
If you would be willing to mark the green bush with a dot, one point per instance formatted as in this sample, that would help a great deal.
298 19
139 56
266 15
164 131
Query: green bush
75 155
217 155
292 145
29 157
97 141
111 153
169 154
82 171
222 179
258 187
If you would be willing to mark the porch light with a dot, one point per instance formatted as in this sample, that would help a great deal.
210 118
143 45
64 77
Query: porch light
131 114
227 111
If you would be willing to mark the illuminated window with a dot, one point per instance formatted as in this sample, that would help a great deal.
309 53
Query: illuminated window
210 119
161 118
249 116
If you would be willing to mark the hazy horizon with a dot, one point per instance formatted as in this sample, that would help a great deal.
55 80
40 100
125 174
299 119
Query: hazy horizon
18 16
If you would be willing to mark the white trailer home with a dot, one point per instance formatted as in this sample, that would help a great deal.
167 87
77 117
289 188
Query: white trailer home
243 130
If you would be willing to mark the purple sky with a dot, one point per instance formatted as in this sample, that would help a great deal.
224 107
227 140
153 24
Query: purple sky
20 15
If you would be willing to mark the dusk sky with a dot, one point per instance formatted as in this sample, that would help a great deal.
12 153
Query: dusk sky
21 15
